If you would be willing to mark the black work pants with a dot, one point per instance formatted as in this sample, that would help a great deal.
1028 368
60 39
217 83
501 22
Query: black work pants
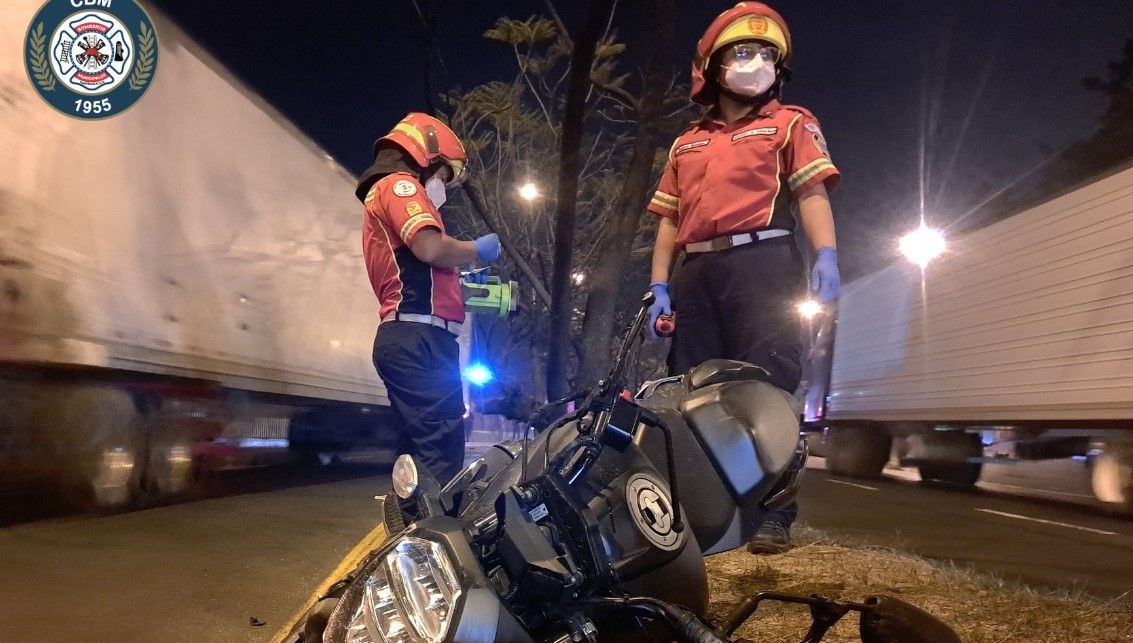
420 366
741 303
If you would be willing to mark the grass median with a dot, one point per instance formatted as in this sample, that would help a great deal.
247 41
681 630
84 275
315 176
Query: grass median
981 608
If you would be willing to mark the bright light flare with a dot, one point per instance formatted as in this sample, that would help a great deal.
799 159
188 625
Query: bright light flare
923 245
809 308
579 278
529 191
478 374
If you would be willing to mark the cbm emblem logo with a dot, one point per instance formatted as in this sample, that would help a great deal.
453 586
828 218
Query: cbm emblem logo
91 59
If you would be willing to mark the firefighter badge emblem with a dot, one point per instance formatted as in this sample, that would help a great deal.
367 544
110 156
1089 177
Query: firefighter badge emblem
91 59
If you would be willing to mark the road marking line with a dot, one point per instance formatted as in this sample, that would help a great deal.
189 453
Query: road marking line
990 486
1044 521
371 541
853 484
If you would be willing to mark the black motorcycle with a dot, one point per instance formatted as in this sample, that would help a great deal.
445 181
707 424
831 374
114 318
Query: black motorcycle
581 534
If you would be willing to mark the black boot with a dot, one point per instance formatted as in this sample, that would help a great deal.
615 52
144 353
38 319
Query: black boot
772 538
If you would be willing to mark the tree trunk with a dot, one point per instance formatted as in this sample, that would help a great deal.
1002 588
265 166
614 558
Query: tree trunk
577 88
613 256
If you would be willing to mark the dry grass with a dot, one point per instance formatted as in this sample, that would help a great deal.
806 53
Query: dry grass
981 608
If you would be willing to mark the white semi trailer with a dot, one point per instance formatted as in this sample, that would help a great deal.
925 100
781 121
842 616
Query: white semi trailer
1022 333
185 271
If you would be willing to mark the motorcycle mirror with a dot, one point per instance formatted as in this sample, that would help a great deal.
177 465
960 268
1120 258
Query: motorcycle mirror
890 620
405 477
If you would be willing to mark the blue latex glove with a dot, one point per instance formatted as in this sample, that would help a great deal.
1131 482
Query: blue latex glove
488 247
825 283
661 306
475 276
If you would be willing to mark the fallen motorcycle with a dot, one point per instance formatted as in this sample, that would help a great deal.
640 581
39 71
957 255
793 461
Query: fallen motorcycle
596 529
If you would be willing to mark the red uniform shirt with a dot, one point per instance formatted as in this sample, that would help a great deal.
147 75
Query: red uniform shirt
396 209
724 179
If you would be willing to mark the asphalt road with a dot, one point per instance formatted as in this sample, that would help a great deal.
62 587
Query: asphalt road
196 571
1045 544
200 570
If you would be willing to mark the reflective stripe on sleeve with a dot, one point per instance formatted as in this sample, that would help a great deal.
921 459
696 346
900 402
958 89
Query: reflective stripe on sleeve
809 171
416 221
667 201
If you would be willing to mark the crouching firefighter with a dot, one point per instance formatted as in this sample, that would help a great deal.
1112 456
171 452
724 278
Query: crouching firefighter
728 198
412 265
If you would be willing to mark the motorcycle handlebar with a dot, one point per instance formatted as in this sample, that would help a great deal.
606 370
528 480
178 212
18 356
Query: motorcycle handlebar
618 367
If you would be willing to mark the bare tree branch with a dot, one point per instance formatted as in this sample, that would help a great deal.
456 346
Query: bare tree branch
534 92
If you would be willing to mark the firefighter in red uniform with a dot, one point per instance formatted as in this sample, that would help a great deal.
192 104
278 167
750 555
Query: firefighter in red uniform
726 199
411 263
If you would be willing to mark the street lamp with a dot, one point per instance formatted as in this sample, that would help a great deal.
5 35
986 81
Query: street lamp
809 308
922 245
529 191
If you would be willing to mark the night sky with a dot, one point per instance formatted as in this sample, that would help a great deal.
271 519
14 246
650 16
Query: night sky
982 90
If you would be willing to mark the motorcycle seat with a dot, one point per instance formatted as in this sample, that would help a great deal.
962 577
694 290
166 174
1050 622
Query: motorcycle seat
716 371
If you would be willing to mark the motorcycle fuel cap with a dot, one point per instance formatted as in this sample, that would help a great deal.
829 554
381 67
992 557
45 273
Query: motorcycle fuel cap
652 511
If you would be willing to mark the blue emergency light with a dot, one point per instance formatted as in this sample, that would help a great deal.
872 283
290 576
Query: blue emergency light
478 374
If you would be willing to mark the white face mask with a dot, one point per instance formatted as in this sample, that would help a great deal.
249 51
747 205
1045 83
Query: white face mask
435 189
751 78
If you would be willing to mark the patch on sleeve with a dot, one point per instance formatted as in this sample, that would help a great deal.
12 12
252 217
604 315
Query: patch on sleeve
820 143
413 208
404 188
819 139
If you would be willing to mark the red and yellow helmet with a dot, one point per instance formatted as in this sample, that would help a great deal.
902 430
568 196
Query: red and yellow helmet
428 141
745 21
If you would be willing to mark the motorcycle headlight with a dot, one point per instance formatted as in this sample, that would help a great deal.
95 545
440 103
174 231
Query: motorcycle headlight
410 597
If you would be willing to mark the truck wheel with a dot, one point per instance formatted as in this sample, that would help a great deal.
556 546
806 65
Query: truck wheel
857 451
945 457
92 435
170 468
1112 475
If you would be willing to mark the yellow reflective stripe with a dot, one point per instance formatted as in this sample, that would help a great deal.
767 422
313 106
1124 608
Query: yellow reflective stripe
411 132
666 200
809 171
413 222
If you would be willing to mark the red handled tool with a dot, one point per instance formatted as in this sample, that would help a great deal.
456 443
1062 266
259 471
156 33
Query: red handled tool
665 325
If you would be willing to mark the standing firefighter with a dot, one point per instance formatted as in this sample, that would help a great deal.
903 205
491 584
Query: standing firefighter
411 263
726 198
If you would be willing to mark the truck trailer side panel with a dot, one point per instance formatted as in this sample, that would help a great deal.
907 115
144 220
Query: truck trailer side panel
1028 319
198 234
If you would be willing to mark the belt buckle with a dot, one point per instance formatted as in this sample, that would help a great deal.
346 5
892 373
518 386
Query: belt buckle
721 243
